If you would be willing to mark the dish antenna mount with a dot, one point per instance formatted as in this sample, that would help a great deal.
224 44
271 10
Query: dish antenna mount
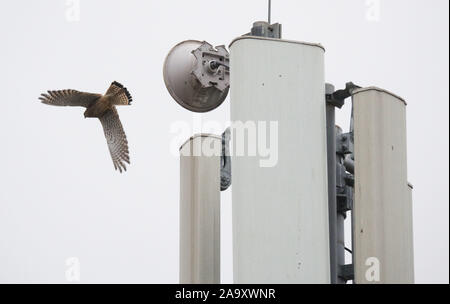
197 75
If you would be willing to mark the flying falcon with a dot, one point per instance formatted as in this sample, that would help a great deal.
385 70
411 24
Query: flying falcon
102 107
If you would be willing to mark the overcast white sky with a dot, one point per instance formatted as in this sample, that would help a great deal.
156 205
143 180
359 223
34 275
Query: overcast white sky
59 194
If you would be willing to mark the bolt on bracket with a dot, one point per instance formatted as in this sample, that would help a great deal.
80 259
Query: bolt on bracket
337 98
265 29
347 272
213 66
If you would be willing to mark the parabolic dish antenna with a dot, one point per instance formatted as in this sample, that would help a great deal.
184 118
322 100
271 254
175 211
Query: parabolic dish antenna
197 75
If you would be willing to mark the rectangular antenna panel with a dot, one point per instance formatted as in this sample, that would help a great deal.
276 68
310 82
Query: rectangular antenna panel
383 235
200 210
280 203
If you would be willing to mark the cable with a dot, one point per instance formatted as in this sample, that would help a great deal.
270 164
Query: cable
216 64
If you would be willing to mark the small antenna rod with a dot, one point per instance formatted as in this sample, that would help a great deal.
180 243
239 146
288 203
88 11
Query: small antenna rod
270 10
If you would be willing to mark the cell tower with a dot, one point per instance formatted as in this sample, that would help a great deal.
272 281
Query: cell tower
288 217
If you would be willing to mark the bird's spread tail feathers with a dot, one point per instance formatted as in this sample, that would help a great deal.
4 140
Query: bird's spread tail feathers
120 93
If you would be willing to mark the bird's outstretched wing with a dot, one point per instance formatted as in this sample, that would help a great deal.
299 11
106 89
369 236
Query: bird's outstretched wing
116 139
121 94
69 98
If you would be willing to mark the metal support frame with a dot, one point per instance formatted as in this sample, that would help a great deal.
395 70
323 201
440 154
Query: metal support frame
265 29
344 198
212 69
344 176
340 182
347 272
337 98
225 161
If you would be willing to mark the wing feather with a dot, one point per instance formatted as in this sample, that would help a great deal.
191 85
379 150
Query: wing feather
116 139
69 98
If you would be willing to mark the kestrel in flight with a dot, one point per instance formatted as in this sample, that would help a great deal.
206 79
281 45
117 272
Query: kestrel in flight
102 107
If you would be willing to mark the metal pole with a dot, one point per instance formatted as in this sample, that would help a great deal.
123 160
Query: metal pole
336 218
340 248
332 206
270 12
200 210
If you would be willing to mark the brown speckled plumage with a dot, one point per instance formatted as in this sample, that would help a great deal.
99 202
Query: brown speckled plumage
102 107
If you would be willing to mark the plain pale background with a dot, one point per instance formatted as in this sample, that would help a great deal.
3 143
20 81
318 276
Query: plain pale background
59 194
